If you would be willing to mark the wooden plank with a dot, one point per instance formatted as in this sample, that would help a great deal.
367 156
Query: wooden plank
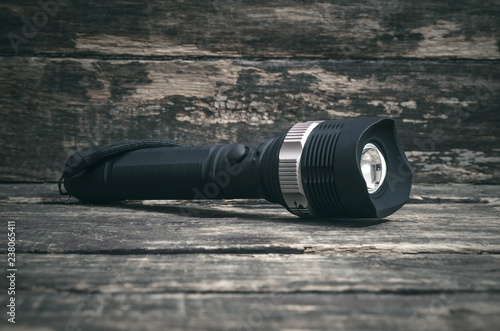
243 229
445 111
47 193
452 193
264 273
290 28
345 274
446 310
253 226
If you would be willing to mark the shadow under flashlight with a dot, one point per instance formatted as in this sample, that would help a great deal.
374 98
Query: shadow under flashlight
351 168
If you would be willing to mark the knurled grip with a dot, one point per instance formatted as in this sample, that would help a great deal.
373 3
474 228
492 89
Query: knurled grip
289 167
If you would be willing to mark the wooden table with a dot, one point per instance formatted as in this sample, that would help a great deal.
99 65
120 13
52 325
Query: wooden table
250 265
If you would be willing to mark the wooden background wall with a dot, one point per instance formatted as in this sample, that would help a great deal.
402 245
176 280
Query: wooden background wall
78 73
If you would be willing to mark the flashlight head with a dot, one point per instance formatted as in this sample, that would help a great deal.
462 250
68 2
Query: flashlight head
345 168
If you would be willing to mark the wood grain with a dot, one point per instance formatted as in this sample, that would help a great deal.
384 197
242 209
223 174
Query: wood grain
446 112
431 288
226 229
444 311
224 71
250 265
277 28
31 193
261 273
253 227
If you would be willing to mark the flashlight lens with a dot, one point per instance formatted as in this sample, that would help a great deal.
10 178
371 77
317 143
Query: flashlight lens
373 167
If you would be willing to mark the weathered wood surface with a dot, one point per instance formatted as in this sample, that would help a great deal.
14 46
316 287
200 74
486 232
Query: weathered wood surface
214 72
442 311
446 112
33 193
290 28
250 265
261 312
259 273
250 226
224 71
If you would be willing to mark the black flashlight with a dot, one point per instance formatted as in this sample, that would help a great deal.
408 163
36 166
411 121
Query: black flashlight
349 168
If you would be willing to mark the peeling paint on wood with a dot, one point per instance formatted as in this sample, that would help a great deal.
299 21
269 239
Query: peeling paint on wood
446 112
224 71
291 28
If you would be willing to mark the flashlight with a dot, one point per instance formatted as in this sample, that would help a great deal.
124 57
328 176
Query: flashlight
350 168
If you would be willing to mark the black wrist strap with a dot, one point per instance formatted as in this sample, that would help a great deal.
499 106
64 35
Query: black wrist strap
92 156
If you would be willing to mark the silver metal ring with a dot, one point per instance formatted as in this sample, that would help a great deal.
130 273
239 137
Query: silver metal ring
289 167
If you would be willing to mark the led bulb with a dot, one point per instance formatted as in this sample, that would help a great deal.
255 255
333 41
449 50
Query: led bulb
373 167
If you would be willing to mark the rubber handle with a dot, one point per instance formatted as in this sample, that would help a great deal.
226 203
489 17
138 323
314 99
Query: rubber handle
194 172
